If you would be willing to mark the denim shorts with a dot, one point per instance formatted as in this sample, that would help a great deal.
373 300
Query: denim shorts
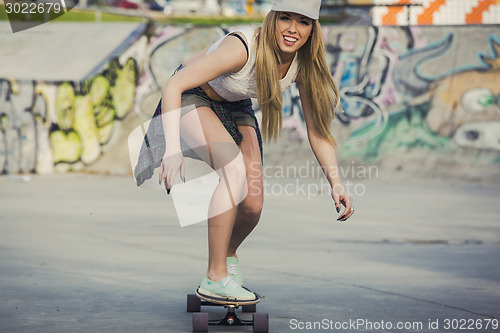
240 118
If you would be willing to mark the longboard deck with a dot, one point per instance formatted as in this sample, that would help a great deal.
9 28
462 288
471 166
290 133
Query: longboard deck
223 301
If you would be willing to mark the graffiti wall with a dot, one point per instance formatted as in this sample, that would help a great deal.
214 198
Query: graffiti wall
434 90
63 126
418 88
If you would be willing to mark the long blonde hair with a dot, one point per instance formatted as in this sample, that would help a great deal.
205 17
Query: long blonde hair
321 91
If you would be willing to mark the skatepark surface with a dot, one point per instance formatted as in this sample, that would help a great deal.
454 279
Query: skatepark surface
94 253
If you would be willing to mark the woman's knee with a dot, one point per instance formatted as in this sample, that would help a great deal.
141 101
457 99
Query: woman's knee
250 209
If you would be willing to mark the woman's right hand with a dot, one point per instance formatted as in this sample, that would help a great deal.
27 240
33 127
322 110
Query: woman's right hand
169 167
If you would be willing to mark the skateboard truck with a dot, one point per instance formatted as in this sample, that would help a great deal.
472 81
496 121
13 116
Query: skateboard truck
201 321
231 318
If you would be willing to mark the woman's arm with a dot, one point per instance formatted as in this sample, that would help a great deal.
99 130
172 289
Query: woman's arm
230 56
327 158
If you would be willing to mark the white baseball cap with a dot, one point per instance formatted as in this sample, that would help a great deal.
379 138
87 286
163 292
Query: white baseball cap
309 8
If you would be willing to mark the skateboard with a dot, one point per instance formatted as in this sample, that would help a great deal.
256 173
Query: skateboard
201 321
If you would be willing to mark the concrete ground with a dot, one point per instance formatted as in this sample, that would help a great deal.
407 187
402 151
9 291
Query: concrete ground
94 253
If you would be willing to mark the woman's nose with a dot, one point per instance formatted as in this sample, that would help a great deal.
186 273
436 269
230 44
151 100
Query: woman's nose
292 26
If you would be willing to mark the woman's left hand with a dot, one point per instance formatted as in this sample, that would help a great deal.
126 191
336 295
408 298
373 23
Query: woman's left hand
340 196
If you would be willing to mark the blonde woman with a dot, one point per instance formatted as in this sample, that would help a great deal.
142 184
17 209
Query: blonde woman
255 62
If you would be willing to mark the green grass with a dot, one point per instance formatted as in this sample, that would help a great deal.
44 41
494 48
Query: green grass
76 15
3 14
79 15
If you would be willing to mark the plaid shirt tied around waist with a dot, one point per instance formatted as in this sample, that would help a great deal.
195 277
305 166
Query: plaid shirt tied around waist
153 145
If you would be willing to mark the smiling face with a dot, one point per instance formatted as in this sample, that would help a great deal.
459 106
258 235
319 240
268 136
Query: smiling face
292 31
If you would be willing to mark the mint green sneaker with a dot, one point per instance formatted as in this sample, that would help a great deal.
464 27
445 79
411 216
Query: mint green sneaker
234 270
226 289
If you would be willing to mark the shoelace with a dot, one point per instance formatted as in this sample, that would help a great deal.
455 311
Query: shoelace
229 280
232 269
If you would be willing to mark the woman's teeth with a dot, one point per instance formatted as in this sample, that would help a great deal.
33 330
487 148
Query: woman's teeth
290 39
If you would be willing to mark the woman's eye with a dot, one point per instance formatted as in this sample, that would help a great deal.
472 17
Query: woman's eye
284 18
304 22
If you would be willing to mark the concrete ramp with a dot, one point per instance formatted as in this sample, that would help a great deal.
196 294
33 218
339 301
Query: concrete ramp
63 51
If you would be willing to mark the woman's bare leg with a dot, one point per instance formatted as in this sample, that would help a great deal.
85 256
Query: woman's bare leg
249 210
203 131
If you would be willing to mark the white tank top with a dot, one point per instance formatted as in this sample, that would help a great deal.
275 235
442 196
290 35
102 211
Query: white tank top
242 85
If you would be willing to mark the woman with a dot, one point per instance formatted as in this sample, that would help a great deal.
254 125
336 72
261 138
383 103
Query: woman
222 129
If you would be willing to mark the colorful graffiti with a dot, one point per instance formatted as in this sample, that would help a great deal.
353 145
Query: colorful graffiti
431 89
86 117
20 116
65 125
407 88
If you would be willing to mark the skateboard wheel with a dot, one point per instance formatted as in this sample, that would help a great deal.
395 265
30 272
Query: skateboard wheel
200 322
249 308
193 303
260 323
